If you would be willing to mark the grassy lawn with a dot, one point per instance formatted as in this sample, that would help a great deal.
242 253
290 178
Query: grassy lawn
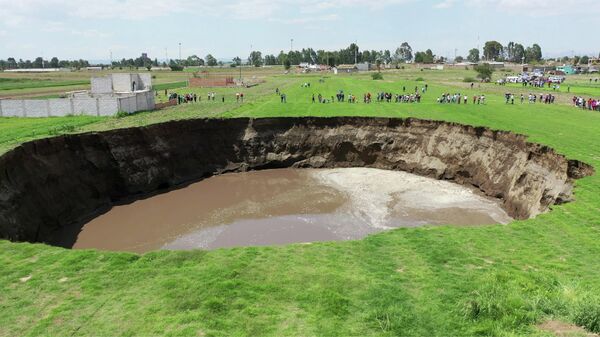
432 281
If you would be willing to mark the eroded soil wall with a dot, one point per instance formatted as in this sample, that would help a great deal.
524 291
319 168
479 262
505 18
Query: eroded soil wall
49 184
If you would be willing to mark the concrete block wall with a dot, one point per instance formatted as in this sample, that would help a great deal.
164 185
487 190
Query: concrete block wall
85 106
77 105
108 106
102 85
121 82
60 107
36 107
146 81
12 108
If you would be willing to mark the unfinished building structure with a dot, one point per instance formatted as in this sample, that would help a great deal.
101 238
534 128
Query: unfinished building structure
108 95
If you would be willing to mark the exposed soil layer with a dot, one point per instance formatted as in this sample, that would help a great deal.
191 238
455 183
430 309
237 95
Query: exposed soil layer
54 183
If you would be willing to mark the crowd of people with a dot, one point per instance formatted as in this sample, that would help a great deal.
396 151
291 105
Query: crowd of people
589 104
543 98
388 97
194 98
458 98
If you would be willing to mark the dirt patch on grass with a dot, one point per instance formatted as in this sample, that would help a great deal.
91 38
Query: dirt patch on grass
562 329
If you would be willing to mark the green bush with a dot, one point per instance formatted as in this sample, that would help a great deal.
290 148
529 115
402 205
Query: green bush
61 129
587 315
468 80
377 76
484 71
122 114
420 79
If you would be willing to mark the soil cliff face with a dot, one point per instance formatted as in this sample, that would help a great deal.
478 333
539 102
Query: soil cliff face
49 184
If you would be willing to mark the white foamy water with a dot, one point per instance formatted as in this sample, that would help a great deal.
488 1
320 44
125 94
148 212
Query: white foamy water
379 196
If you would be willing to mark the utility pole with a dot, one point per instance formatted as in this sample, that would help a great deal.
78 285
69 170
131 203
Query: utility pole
478 45
355 52
111 58
179 51
291 44
167 56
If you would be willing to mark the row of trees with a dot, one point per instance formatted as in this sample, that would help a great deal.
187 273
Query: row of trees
348 55
492 51
512 52
39 62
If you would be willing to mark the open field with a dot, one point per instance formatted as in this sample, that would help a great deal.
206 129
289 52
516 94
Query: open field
433 281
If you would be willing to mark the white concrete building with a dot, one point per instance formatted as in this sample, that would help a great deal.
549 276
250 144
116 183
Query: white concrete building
109 95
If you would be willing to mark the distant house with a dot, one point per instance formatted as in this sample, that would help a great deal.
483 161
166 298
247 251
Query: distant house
38 70
567 69
494 64
347 68
365 66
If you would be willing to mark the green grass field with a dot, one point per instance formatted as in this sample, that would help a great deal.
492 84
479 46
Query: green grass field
500 280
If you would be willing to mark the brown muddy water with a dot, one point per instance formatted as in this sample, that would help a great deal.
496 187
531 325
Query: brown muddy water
275 207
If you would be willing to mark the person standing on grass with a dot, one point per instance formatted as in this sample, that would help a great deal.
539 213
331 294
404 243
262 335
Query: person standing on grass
313 98
522 98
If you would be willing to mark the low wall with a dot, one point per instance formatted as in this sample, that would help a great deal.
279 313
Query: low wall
211 82
49 185
158 106
77 105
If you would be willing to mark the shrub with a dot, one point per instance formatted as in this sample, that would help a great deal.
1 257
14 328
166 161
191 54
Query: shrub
377 76
484 71
122 114
468 80
420 79
60 129
176 67
587 315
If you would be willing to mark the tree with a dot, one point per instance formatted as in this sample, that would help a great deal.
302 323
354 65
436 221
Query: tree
211 61
255 59
576 60
484 71
473 55
492 50
584 60
11 63
403 53
386 57
518 53
194 61
533 54
459 59
175 66
38 63
237 61
54 62
287 64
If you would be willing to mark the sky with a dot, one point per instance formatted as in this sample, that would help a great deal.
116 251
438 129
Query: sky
92 29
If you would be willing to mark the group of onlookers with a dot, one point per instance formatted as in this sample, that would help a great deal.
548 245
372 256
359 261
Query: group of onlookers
589 104
458 98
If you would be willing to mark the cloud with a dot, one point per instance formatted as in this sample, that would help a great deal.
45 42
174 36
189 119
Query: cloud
445 4
17 11
306 19
539 8
90 34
